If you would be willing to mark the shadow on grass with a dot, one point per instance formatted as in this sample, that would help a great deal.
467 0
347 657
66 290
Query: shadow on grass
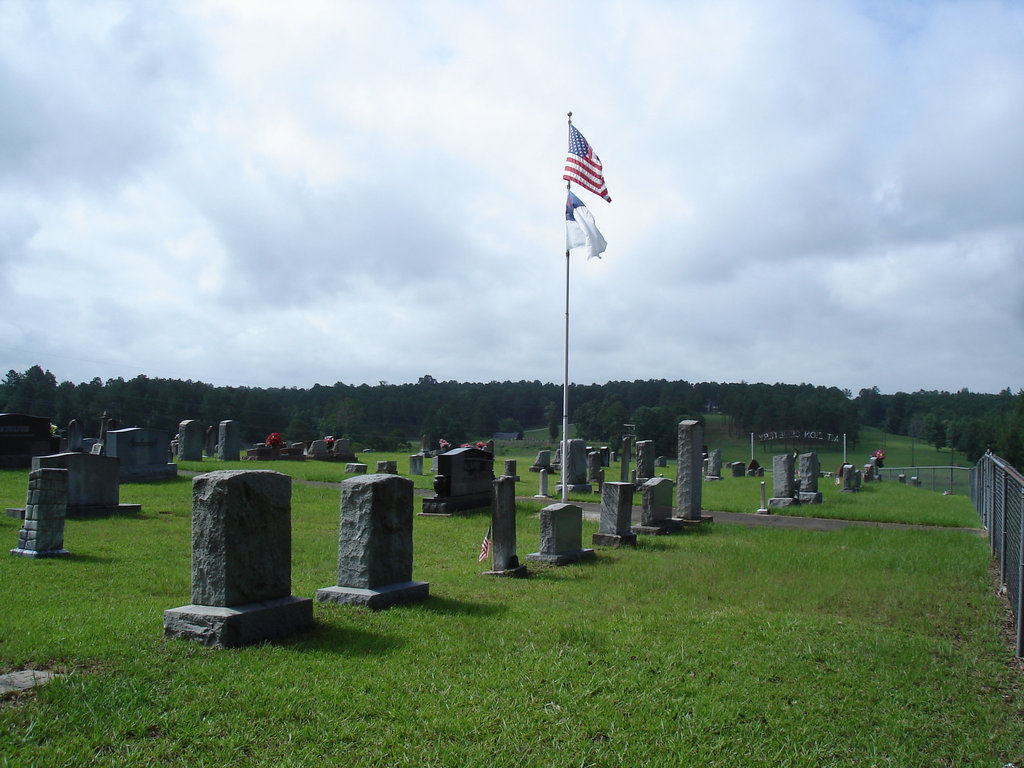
446 606
344 641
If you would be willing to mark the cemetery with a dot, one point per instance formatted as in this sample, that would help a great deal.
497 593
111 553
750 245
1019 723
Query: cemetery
625 644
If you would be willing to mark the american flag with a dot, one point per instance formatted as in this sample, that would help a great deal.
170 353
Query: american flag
485 547
583 166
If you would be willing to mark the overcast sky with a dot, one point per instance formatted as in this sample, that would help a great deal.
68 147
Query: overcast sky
281 194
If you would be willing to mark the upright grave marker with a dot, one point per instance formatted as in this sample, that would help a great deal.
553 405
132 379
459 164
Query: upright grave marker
375 544
810 468
42 530
688 479
504 560
463 482
783 487
142 454
656 497
190 440
241 562
561 535
229 440
615 529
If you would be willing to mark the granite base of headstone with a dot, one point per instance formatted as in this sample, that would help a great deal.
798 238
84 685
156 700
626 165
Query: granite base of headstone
355 468
241 562
375 545
655 513
615 526
561 536
42 530
463 482
504 560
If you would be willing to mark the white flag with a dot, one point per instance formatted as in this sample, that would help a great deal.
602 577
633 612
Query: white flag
581 230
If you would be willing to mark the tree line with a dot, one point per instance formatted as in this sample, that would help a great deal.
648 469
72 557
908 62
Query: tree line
392 416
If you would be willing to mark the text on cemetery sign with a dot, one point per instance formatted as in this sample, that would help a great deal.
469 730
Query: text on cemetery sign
799 434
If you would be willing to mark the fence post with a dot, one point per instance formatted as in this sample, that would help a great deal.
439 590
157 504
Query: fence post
1002 534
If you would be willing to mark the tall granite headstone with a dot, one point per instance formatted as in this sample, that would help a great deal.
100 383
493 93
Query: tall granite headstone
574 469
810 468
645 457
714 465
504 560
615 528
241 562
688 479
375 544
655 517
783 486
190 440
229 440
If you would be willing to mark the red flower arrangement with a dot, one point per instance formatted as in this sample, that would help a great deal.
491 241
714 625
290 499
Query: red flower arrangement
274 440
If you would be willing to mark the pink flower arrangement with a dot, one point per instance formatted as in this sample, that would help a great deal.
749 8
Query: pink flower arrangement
879 454
274 440
443 444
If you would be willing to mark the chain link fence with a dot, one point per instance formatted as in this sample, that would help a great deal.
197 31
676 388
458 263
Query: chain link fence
997 491
951 479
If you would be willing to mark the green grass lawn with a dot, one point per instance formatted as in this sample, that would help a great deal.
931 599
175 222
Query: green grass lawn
725 647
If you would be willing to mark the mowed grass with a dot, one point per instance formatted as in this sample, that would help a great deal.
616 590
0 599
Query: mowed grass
725 647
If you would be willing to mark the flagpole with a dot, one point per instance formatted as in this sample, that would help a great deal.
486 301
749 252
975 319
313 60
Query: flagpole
565 383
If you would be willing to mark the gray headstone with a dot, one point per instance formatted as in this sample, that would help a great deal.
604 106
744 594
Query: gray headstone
644 460
561 535
689 480
142 454
503 525
594 466
850 479
714 463
241 562
809 469
627 442
190 441
783 486
656 497
416 464
229 440
542 461
615 527
93 483
375 544
75 436
511 469
42 530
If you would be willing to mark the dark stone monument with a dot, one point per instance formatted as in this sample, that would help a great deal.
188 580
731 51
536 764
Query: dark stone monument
375 544
463 482
241 562
22 437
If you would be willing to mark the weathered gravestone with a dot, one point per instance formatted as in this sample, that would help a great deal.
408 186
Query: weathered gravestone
594 467
229 440
387 467
737 468
355 468
42 531
574 469
416 464
714 465
319 451
504 560
542 491
624 476
210 441
463 482
783 487
22 437
375 544
810 468
190 440
615 527
644 460
241 562
511 469
142 454
655 517
343 449
93 488
688 478
542 461
561 535
75 438
850 479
